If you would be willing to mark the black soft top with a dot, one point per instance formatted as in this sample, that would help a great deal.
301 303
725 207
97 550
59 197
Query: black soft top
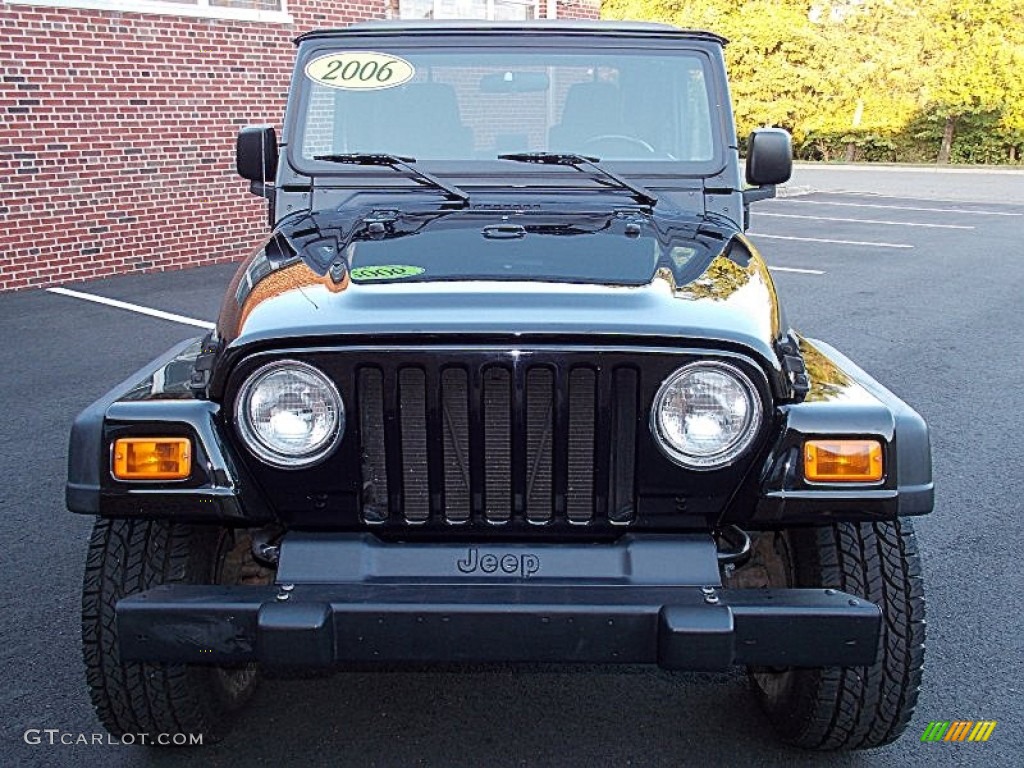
505 28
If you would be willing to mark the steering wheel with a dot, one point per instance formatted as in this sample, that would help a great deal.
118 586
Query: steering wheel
631 141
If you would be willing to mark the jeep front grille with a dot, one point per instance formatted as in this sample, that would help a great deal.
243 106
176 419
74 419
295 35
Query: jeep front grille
497 444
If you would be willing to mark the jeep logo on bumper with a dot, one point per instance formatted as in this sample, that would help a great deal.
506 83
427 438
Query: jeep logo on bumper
521 565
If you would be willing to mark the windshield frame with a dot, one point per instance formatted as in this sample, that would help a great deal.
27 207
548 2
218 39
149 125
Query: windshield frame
328 174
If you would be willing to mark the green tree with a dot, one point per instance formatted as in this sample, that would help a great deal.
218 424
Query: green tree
889 78
969 52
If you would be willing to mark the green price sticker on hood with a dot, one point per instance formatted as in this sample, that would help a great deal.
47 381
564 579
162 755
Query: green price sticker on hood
386 272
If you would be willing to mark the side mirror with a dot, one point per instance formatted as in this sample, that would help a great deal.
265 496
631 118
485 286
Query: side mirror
256 153
769 157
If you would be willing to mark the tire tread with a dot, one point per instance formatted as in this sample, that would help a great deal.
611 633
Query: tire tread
843 708
125 557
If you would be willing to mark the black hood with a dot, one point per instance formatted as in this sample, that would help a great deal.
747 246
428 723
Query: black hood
623 275
622 246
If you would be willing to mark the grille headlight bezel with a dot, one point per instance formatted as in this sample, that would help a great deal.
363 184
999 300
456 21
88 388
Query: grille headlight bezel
282 456
730 450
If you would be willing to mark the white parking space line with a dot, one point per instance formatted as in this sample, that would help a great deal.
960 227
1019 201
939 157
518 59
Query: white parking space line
863 221
899 207
797 270
827 240
903 198
132 307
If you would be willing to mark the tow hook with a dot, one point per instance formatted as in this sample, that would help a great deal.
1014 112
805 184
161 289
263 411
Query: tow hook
738 546
266 548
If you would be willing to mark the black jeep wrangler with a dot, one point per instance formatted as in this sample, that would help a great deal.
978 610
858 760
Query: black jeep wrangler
506 383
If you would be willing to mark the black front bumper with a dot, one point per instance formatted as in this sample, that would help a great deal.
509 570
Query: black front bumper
321 626
643 600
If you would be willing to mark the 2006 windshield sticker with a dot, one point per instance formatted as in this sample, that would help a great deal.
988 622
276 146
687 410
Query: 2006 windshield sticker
386 272
359 70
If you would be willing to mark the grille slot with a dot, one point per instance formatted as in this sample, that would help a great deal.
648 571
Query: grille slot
579 502
539 438
412 406
370 394
495 443
623 448
455 412
497 392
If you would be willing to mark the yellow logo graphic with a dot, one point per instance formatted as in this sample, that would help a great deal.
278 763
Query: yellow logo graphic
958 730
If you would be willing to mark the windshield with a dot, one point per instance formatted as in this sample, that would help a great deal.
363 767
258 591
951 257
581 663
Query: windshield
474 105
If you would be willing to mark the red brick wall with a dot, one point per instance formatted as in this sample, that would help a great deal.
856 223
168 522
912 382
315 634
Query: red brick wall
579 9
117 134
117 140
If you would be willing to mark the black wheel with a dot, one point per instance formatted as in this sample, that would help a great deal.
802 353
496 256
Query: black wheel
128 556
839 708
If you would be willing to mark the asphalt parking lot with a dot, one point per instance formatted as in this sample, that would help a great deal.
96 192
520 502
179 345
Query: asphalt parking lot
925 292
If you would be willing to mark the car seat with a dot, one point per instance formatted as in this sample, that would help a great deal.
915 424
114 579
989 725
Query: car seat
591 109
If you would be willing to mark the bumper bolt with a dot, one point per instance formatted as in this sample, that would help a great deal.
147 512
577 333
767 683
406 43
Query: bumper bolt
708 590
286 591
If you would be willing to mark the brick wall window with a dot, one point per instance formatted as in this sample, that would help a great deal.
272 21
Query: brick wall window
266 5
500 10
242 10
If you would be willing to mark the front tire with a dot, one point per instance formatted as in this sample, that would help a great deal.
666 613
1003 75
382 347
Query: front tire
842 708
129 556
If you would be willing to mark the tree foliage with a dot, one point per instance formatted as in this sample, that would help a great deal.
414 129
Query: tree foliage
869 79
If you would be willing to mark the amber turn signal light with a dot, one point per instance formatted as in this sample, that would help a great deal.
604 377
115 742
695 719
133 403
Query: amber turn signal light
843 461
152 458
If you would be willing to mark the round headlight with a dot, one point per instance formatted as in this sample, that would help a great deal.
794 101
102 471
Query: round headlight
706 414
290 414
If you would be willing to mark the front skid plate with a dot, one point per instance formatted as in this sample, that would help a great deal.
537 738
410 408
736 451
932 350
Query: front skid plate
324 625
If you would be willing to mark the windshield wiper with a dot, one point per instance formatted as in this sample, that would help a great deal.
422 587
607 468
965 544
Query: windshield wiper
398 163
584 163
